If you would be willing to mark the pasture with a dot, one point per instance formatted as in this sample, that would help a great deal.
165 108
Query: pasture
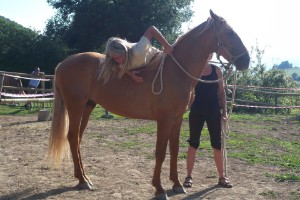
263 159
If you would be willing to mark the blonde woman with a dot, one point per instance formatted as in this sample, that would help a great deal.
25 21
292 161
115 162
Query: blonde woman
122 57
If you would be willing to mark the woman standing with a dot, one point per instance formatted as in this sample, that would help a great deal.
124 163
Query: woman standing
209 100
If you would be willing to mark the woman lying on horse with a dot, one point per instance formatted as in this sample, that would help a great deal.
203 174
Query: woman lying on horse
123 57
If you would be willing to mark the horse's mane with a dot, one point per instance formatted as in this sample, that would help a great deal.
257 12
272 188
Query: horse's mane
196 30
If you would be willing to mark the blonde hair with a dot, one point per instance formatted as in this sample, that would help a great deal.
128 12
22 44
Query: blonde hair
111 68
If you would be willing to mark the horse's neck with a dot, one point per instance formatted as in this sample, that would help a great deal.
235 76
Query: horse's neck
193 51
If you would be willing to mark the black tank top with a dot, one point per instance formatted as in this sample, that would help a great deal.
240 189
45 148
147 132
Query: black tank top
206 94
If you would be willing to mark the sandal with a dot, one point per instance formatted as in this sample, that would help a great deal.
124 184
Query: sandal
188 182
224 182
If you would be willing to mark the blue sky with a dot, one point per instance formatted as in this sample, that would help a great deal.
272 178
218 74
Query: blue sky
274 25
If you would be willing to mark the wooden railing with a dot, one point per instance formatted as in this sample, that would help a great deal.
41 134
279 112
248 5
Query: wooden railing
13 91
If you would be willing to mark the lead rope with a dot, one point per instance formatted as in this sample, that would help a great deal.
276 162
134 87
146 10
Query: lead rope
225 126
160 74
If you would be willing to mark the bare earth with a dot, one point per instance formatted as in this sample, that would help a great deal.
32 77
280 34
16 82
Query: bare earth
121 172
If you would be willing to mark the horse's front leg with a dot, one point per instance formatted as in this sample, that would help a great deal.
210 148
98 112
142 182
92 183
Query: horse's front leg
174 149
163 134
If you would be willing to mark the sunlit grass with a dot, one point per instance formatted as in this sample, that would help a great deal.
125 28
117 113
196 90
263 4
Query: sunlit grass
17 110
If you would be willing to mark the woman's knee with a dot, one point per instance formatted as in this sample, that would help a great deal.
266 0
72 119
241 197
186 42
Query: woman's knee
216 145
194 143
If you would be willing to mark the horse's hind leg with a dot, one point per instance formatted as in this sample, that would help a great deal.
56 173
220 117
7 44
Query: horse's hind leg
89 107
174 148
163 133
75 117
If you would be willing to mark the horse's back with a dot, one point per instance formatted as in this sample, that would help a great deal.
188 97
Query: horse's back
76 75
80 61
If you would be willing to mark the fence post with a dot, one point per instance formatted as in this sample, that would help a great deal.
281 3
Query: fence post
43 88
276 103
1 83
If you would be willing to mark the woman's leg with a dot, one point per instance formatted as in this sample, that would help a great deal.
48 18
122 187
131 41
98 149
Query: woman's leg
190 160
219 162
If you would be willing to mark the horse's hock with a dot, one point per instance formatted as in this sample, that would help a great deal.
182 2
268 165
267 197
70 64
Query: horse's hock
44 115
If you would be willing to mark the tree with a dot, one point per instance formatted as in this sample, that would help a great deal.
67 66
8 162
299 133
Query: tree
22 49
295 76
85 25
285 65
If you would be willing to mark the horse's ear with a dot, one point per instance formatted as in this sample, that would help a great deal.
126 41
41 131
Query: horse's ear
215 17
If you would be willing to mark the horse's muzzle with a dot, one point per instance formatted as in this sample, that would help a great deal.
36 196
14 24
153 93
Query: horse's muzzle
242 63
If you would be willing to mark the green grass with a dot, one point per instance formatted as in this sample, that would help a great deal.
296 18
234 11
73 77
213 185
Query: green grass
265 150
147 129
270 194
16 110
285 177
99 112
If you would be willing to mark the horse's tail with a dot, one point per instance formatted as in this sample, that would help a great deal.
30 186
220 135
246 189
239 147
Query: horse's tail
58 143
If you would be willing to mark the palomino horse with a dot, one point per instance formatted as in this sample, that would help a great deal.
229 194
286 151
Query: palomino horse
78 90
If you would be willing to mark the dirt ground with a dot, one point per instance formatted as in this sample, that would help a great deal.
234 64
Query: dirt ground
118 172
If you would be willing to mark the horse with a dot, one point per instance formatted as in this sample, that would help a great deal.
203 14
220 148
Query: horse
78 90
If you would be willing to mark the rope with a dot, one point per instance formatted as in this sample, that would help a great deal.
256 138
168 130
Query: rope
270 88
14 76
160 73
225 128
25 95
270 107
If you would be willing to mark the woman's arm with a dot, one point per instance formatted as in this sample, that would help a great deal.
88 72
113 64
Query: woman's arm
133 75
153 32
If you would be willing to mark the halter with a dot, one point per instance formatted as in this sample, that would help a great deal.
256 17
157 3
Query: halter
221 45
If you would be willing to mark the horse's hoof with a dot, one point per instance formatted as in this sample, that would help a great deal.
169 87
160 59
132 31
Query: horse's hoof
163 196
179 190
84 186
90 182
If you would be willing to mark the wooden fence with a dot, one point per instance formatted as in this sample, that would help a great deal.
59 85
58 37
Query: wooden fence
275 93
13 91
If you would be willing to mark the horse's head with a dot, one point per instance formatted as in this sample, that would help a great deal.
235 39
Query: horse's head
229 45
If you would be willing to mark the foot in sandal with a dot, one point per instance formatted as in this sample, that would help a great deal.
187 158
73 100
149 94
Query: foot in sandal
225 183
188 182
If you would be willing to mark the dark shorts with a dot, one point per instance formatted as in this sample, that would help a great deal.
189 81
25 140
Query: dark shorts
196 122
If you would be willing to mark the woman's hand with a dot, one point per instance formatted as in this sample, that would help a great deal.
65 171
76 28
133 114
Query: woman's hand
224 115
136 78
168 49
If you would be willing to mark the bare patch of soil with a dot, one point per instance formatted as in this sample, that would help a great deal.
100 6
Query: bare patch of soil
118 172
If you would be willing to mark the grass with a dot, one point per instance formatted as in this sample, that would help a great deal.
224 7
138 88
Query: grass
16 110
270 194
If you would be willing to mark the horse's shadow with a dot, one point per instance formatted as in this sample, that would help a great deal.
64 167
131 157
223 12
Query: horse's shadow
197 195
44 195
202 193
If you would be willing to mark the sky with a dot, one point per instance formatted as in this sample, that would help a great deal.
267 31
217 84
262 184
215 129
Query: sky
271 25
